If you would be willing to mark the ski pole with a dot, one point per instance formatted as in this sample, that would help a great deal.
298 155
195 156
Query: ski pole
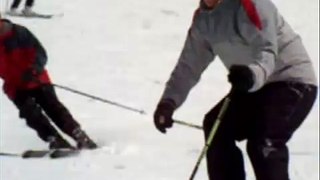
211 135
187 124
100 99
9 154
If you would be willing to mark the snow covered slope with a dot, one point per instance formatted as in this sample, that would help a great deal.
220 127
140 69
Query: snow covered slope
124 51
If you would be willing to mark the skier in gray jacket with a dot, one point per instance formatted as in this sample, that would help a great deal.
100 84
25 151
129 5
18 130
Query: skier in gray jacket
273 85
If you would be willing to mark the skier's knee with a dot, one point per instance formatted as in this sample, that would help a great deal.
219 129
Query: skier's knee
265 147
30 109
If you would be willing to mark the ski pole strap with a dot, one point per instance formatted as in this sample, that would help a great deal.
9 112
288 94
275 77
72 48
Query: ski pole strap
187 124
211 136
99 99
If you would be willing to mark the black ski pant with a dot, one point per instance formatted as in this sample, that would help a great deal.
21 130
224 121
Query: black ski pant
267 118
15 3
39 105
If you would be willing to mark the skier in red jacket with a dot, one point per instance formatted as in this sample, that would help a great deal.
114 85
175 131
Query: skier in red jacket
28 86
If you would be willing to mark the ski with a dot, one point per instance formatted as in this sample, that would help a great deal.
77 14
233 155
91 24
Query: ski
27 154
35 15
60 153
53 154
35 153
10 154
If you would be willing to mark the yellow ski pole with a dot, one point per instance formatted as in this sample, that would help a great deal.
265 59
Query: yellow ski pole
211 135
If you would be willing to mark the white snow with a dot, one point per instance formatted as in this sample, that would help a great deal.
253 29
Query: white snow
124 51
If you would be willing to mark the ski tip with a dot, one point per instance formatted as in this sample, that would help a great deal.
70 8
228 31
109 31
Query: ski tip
35 153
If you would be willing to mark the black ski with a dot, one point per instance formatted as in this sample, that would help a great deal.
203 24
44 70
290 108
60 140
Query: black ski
60 153
36 153
53 154
27 154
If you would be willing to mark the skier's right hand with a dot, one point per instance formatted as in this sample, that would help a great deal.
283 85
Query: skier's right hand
163 115
241 78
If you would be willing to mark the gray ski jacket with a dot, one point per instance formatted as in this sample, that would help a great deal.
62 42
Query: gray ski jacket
246 32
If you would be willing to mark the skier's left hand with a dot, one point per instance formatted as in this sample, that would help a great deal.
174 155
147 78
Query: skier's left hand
163 115
32 73
241 78
29 75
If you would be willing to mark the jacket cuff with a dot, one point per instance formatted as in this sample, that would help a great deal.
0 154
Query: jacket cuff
169 102
258 77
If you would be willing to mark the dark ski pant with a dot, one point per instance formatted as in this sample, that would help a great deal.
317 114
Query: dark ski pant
267 119
40 104
15 3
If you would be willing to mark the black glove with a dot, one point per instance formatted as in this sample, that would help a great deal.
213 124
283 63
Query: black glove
32 73
163 115
241 78
29 75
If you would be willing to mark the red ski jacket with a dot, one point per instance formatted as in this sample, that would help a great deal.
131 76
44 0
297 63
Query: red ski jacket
20 52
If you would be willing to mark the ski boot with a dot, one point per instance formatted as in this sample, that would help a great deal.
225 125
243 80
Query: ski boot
13 12
27 11
83 140
58 142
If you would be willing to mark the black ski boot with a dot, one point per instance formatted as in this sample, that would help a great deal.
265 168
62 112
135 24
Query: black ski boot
83 140
58 142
